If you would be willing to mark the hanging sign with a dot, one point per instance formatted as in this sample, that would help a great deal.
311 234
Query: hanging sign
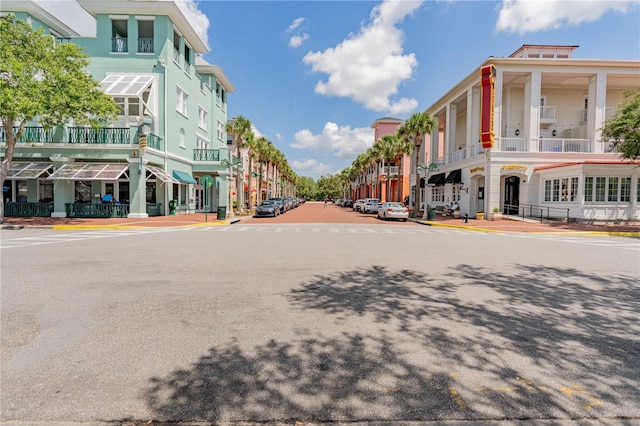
487 103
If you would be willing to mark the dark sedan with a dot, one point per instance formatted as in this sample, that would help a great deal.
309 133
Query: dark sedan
268 208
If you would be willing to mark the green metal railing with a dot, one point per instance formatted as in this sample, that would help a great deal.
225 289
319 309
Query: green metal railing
96 210
28 209
206 155
113 135
155 142
154 209
30 134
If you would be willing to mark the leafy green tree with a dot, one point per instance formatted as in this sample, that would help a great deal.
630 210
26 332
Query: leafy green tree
624 127
306 188
45 81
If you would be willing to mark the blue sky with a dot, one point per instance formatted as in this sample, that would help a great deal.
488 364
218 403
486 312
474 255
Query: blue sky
312 76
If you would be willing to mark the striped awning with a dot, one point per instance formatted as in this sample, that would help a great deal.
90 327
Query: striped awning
28 170
90 171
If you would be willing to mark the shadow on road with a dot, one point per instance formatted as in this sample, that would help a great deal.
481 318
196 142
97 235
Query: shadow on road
477 343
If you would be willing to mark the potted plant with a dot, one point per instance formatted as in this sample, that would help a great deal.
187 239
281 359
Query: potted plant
456 211
480 214
495 214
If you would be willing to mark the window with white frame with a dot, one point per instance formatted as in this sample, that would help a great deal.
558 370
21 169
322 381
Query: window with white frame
182 144
220 130
612 189
202 118
561 190
437 194
456 192
201 143
218 89
181 101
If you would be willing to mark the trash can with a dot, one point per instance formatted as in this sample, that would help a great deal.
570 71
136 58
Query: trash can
222 212
431 213
172 207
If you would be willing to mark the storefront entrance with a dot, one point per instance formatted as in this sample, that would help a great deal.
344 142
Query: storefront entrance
511 195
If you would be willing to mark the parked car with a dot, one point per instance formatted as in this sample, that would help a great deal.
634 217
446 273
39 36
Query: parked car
370 205
347 202
357 206
268 208
280 202
393 210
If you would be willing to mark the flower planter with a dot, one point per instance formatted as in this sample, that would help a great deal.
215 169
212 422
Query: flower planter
480 216
495 216
456 213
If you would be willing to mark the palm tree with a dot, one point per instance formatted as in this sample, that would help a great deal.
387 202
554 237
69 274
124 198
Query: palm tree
250 144
240 128
414 130
405 148
261 147
388 147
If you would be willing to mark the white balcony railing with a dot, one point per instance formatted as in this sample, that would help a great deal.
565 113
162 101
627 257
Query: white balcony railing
513 144
458 155
565 145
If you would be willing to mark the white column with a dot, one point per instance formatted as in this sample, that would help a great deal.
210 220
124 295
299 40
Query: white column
532 93
475 126
469 120
497 107
447 132
596 110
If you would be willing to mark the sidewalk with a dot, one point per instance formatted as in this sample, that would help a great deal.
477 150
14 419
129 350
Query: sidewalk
197 219
531 226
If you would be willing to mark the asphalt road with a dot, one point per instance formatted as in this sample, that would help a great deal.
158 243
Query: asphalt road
311 322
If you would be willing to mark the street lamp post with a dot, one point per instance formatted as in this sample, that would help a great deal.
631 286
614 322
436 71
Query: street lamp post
230 165
427 168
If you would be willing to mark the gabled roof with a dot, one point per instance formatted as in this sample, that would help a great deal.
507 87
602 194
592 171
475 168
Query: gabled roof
387 120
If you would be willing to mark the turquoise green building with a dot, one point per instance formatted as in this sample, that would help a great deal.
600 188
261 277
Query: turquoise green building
168 139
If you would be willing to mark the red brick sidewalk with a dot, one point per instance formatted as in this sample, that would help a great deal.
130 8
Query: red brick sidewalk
315 212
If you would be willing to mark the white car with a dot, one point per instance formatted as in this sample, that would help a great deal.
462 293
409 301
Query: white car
357 205
370 205
393 210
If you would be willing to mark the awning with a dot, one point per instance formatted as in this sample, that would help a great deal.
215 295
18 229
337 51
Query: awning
90 171
454 177
184 177
437 179
161 174
27 170
125 84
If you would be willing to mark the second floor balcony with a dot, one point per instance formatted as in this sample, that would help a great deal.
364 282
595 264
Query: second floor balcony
82 135
206 155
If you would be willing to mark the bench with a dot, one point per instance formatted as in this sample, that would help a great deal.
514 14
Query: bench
185 209
439 210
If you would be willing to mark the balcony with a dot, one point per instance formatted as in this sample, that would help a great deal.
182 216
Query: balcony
82 135
119 45
145 45
392 170
206 155
176 56
513 144
565 145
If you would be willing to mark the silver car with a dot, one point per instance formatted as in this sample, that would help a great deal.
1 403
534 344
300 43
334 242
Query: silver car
370 205
393 210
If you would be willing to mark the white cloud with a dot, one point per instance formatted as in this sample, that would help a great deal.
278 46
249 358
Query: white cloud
198 20
525 16
296 23
343 141
299 36
297 40
310 167
368 67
